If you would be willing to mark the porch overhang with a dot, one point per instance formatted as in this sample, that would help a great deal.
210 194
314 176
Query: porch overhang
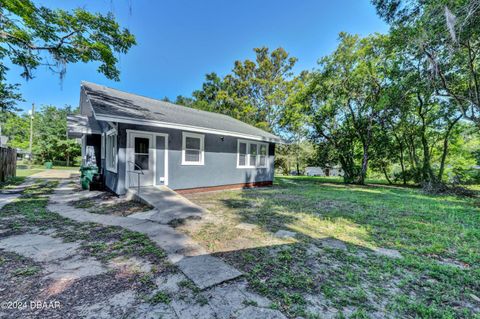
78 125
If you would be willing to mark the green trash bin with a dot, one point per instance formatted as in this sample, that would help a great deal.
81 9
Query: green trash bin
48 165
86 175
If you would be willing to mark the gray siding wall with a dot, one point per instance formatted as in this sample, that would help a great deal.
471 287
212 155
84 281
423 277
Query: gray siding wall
220 166
110 178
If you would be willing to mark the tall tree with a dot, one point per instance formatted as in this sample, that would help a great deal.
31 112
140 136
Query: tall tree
50 138
447 33
17 128
33 36
345 97
254 92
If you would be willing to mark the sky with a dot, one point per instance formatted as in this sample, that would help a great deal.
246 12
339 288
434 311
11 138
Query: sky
179 41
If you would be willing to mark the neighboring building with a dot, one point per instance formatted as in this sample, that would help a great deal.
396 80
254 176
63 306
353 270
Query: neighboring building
167 144
325 171
21 154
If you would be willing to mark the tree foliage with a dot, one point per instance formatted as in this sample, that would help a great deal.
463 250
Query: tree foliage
33 36
50 141
254 92
447 34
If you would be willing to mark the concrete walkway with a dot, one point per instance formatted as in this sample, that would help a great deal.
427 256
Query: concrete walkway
168 205
7 199
204 270
8 195
55 174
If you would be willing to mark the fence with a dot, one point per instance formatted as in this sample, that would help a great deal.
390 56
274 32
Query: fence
8 163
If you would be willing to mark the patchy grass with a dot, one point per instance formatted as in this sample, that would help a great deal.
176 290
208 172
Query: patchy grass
105 243
27 271
109 204
28 171
160 297
438 237
12 182
132 259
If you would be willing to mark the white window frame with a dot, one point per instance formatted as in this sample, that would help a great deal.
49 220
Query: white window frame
247 158
102 149
202 148
258 155
108 160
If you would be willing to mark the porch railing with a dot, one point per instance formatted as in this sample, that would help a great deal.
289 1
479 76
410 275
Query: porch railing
138 172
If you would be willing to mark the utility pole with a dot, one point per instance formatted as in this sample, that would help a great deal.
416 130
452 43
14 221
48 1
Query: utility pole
32 114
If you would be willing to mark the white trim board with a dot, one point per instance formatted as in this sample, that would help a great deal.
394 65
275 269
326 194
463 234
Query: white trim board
183 127
128 149
114 168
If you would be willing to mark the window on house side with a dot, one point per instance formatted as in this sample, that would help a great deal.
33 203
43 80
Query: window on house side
111 151
193 149
252 154
242 154
262 162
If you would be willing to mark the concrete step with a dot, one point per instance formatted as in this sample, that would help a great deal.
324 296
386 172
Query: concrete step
168 204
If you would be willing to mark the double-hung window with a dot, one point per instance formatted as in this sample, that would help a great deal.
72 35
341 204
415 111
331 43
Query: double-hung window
262 155
193 149
251 154
111 154
242 154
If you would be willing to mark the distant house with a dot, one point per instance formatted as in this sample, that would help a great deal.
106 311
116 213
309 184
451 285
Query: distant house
159 143
325 171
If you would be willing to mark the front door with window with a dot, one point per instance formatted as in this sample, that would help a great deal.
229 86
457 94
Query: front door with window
140 159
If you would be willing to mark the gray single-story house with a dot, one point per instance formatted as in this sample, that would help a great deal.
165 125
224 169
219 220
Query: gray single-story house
135 138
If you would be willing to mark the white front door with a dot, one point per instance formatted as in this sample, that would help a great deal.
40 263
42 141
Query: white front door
140 159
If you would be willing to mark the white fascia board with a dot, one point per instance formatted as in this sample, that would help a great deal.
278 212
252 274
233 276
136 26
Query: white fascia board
184 127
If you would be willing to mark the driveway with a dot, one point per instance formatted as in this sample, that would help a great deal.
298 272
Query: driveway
55 174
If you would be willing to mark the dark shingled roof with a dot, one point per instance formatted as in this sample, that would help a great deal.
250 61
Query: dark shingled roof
113 103
78 125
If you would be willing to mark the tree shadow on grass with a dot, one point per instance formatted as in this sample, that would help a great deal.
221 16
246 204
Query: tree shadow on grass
389 218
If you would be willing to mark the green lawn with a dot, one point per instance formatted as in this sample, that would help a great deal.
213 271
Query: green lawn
12 182
28 172
24 170
438 237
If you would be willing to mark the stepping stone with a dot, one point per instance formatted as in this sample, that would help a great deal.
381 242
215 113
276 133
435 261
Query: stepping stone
39 247
333 243
392 253
170 283
285 234
75 268
130 265
7 199
185 308
251 312
206 271
246 226
313 250
228 298
64 263
148 311
225 300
